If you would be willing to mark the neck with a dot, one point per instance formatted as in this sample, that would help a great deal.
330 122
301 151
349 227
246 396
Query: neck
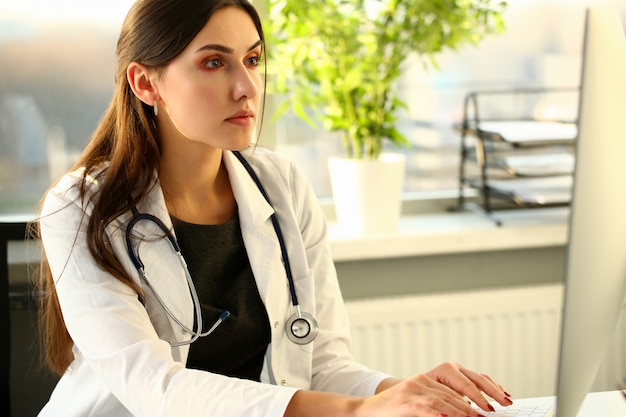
196 186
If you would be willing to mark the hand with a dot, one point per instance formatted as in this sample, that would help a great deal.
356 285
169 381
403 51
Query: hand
439 392
470 384
418 396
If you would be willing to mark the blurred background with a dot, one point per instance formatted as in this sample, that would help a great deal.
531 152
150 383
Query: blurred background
56 62
56 67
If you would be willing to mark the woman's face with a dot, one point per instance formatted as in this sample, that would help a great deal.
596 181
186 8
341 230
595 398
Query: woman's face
211 92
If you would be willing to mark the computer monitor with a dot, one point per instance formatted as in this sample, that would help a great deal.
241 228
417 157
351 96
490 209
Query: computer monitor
595 279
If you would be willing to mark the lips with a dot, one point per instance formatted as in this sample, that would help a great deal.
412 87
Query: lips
243 118
242 114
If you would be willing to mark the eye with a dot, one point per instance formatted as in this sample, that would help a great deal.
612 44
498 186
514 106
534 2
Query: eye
213 63
254 61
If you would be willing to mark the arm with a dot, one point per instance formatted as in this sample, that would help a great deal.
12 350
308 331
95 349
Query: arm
362 392
420 396
447 383
120 357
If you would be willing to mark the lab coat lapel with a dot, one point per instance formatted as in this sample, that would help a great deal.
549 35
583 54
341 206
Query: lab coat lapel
256 227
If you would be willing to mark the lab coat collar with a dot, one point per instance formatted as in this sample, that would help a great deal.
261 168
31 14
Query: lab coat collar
248 196
256 226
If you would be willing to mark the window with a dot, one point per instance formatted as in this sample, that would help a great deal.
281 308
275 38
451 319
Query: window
542 47
57 79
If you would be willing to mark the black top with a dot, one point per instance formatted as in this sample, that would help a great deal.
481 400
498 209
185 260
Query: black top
220 269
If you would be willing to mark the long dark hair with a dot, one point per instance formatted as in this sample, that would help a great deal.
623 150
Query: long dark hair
126 144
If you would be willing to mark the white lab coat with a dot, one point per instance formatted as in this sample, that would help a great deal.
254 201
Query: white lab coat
124 365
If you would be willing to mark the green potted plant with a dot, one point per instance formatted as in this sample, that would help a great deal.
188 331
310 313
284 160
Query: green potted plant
338 61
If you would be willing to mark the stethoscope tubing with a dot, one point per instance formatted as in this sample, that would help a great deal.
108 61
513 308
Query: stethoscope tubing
136 260
301 327
276 224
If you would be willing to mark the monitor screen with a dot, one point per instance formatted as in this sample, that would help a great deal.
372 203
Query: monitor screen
596 256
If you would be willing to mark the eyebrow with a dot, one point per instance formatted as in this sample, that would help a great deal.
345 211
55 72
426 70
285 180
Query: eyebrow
225 49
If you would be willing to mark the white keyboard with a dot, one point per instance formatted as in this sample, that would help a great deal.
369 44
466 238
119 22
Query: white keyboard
513 411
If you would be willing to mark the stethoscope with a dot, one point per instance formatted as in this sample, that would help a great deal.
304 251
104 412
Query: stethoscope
301 327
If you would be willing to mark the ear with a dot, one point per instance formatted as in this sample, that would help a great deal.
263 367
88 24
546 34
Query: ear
140 82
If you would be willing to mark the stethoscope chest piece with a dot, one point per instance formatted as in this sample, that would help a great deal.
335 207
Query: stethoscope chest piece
301 328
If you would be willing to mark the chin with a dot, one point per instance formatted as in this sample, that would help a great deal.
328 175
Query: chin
238 145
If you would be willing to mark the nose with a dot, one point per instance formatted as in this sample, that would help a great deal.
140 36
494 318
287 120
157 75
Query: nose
246 83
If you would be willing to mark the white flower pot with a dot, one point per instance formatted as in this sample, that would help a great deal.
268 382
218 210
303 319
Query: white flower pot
368 193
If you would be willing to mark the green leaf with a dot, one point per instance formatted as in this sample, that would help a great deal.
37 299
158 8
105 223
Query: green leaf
340 59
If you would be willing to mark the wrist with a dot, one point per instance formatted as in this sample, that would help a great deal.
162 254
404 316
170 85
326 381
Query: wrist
387 383
314 404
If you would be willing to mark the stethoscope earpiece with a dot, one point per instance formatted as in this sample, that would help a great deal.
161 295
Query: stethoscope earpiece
301 328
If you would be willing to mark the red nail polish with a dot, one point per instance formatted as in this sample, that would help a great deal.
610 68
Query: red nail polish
507 394
443 415
491 408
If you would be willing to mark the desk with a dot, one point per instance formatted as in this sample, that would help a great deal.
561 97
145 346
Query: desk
596 404
605 404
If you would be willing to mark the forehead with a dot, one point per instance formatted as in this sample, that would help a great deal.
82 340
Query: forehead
228 26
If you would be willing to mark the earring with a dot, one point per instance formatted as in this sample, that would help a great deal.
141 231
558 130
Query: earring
156 108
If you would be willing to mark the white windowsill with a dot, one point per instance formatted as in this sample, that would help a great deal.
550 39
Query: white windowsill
459 232
422 235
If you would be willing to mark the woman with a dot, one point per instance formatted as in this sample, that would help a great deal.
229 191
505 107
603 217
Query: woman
119 312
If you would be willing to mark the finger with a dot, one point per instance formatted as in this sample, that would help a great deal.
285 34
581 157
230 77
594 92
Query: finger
454 377
449 405
501 388
467 387
506 394
446 399
483 381
427 411
490 379
489 386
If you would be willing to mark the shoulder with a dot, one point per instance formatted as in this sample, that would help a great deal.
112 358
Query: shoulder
275 165
74 188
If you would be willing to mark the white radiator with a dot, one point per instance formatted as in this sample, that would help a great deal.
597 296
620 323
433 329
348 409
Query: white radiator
510 334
